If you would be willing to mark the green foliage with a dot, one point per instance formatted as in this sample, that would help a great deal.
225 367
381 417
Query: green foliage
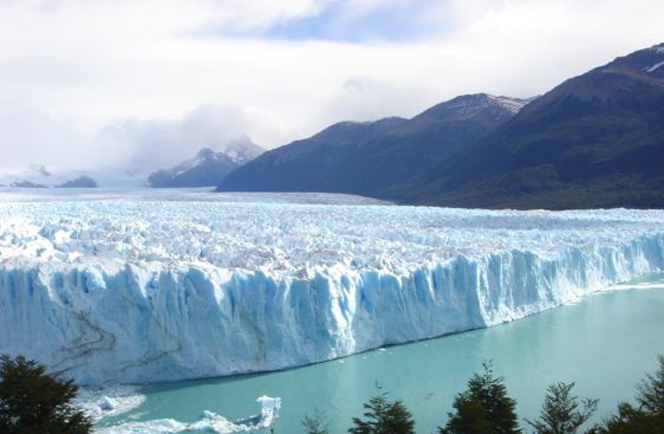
630 420
470 418
491 394
560 412
397 420
384 417
648 418
651 391
32 401
316 423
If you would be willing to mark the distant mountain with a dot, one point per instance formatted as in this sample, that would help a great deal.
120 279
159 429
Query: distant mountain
37 176
370 158
208 168
80 182
26 184
596 140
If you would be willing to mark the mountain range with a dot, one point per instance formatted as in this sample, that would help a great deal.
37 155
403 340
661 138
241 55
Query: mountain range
207 169
596 140
370 158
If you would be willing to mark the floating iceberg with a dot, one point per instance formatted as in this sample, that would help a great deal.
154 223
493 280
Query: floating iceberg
100 402
210 422
149 289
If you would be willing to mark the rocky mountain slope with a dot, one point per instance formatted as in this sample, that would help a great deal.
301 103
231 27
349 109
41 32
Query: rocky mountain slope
370 158
596 140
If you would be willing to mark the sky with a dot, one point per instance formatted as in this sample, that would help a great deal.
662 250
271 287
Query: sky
131 84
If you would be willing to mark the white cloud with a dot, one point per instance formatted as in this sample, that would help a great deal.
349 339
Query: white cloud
140 68
152 144
29 137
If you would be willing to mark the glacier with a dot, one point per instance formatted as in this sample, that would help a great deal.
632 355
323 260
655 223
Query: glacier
142 288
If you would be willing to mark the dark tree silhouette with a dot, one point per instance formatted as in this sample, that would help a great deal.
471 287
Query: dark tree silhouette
560 411
384 417
32 401
630 420
316 423
648 417
651 390
491 394
470 418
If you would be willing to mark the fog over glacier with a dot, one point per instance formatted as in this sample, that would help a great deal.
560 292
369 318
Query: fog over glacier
155 287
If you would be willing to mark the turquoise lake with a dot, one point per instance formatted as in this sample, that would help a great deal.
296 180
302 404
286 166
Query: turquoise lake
605 343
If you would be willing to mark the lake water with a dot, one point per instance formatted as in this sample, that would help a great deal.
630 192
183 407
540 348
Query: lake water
605 343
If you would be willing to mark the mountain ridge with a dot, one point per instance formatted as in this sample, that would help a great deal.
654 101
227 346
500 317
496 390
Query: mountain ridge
344 157
595 140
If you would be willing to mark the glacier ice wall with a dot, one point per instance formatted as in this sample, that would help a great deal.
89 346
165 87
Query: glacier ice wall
149 290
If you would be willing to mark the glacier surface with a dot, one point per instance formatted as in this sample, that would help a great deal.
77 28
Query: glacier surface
141 288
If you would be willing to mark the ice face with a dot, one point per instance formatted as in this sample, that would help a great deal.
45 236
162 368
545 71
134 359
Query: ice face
141 289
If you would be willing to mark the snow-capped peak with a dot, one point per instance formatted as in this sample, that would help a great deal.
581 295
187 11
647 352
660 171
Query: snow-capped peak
208 167
242 150
513 105
659 56
205 154
659 48
468 105
239 151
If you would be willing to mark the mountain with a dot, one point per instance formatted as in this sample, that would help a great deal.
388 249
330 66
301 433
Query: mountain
37 176
80 182
305 165
26 184
596 140
369 158
422 143
208 168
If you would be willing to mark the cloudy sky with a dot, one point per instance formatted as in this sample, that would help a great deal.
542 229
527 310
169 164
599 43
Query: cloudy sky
92 83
